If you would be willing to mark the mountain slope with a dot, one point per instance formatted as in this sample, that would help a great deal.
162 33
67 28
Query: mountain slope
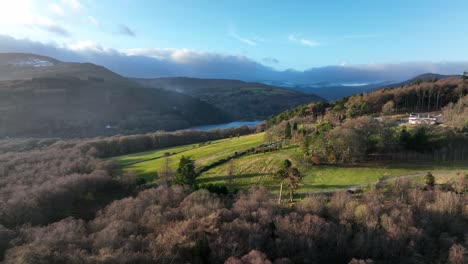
427 77
335 91
241 100
414 97
40 96
16 66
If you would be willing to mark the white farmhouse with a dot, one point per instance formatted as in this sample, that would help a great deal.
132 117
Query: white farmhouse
416 119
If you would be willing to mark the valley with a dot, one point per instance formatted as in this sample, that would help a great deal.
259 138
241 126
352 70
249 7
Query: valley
235 132
45 97
240 100
115 165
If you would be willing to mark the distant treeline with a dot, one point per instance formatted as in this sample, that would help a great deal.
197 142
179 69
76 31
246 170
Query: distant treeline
121 145
365 138
415 97
103 147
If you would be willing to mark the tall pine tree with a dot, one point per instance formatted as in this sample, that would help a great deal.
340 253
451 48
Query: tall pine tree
185 174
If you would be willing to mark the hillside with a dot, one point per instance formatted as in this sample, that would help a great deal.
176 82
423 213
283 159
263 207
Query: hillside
43 97
241 100
420 95
16 66
427 77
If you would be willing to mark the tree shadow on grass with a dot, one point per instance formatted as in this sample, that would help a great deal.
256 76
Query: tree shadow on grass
316 187
236 177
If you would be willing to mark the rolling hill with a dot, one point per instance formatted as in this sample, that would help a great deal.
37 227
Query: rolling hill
335 91
241 100
43 97
16 66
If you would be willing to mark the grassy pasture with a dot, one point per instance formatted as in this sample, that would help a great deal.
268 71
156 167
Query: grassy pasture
258 169
151 161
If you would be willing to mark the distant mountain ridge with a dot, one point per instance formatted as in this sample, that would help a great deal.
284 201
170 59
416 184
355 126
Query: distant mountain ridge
17 66
334 91
421 78
241 100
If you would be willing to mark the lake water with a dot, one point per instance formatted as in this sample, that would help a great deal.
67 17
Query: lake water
226 125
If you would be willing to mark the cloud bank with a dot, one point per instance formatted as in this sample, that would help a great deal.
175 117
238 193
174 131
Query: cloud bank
151 63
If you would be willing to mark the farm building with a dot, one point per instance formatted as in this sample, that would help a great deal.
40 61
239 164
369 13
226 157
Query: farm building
416 119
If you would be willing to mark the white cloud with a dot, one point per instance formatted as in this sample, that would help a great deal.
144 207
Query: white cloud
87 46
16 12
56 9
160 62
24 13
242 39
94 21
303 41
74 4
182 56
46 24
260 39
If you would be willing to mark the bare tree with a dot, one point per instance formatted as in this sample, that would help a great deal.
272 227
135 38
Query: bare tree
166 172
230 174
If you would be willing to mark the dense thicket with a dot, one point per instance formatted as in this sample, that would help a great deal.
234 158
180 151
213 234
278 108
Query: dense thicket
39 186
456 114
393 224
364 138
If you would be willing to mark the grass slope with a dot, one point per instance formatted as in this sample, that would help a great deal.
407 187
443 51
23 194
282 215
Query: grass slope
258 169
203 154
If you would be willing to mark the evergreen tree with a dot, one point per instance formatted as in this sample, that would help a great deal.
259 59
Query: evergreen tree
430 180
185 174
287 131
290 176
405 138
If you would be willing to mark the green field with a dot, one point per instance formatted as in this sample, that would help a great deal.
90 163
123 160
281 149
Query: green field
257 169
203 155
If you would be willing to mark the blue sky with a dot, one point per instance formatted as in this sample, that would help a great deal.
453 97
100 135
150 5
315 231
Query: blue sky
279 35
294 34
